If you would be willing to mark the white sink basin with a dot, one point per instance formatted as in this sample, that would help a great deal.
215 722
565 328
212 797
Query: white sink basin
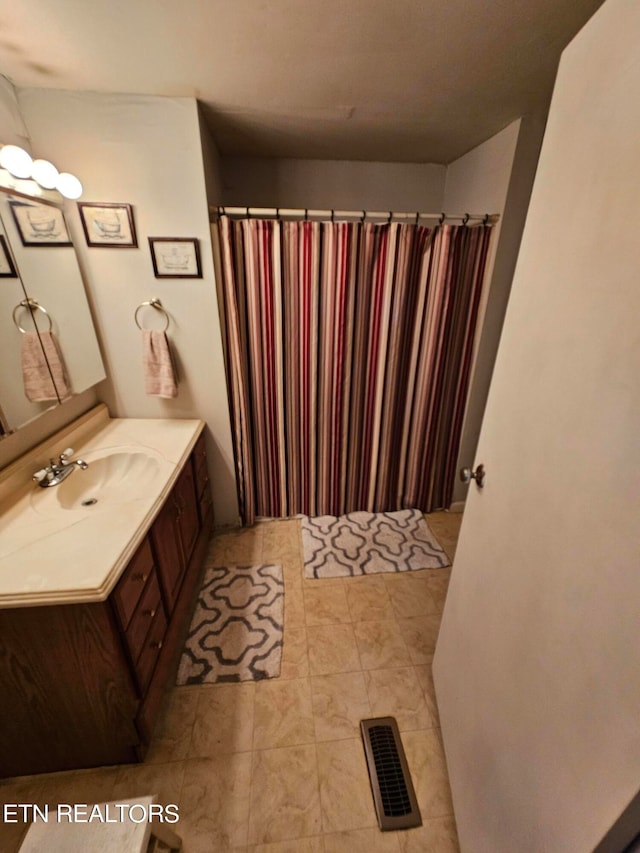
112 478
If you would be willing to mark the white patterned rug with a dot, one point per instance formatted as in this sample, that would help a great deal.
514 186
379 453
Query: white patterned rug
236 629
364 543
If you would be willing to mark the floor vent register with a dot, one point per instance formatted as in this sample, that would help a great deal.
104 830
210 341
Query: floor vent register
393 793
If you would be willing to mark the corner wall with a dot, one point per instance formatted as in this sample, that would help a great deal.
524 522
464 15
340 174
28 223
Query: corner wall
145 151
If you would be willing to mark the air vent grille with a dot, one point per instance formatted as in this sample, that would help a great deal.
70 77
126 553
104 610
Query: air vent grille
393 793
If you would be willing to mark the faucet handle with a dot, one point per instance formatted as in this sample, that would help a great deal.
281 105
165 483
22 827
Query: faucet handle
68 452
40 475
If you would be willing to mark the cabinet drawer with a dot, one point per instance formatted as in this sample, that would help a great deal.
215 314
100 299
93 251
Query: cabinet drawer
151 649
127 593
143 616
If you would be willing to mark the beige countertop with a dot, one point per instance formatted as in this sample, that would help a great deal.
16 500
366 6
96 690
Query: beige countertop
52 555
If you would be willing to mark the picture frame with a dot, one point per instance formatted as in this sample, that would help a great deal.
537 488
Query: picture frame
39 224
108 225
7 267
175 257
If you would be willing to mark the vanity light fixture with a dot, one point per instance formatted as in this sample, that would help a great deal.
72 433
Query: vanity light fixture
18 163
45 173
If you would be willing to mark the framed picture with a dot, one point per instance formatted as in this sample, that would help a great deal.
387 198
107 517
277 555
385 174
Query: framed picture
39 224
175 257
108 225
7 268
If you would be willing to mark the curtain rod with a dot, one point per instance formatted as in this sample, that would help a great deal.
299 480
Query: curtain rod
388 215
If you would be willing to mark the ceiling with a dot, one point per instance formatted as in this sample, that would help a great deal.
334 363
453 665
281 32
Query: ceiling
395 80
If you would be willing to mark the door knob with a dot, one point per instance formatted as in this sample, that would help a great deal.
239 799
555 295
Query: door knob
466 475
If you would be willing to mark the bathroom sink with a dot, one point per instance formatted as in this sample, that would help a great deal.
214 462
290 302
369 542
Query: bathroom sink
111 478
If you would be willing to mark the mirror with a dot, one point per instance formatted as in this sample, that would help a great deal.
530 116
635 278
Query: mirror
48 345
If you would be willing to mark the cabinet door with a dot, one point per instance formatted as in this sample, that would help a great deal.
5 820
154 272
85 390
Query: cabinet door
165 536
188 519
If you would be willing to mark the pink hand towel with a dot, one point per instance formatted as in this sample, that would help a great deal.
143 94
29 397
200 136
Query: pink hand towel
43 370
159 371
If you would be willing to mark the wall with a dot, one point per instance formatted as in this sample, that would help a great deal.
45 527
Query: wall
145 151
496 176
338 184
536 665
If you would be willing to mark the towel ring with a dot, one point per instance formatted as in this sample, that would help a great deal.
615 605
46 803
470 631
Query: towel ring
153 303
30 303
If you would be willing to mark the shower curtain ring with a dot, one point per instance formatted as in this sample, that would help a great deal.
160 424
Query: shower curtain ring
389 219
332 215
364 213
417 219
443 216
306 213
486 219
465 219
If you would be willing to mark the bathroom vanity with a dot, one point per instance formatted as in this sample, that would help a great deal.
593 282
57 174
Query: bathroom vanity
97 584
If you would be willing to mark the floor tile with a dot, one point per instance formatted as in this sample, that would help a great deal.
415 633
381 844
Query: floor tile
285 802
425 677
172 736
420 633
332 648
281 540
139 780
411 598
438 583
434 836
224 720
283 715
291 572
398 693
381 645
326 605
345 791
339 703
214 806
295 659
428 769
241 547
362 841
368 600
85 786
298 845
293 606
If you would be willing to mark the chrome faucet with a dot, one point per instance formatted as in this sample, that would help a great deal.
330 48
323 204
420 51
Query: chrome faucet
56 472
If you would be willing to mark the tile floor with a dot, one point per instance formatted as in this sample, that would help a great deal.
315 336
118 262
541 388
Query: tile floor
277 766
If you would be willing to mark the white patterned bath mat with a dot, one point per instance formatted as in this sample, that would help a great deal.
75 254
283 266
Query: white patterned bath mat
364 543
236 629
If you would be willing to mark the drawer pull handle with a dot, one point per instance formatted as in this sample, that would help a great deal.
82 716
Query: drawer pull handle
139 576
150 613
157 644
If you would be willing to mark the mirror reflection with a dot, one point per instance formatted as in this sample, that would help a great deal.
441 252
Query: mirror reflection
48 346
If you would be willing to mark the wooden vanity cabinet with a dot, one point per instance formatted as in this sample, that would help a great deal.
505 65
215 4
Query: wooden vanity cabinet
203 490
174 534
82 684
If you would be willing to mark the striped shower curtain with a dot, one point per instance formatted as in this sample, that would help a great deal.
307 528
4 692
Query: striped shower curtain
348 353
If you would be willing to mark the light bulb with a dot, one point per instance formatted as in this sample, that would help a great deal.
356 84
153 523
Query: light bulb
45 173
16 160
68 185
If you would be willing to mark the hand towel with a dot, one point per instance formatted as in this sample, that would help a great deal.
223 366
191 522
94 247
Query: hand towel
43 370
159 371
